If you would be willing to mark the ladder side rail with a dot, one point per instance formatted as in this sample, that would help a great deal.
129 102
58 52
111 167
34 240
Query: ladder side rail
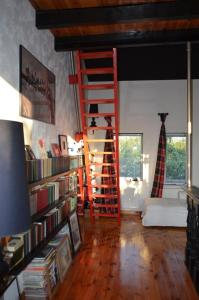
86 147
116 97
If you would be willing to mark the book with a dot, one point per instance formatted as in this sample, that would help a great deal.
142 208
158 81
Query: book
42 199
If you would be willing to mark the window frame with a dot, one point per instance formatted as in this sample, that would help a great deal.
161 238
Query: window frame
181 134
141 161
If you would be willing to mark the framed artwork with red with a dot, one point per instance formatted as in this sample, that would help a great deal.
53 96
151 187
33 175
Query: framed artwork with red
55 150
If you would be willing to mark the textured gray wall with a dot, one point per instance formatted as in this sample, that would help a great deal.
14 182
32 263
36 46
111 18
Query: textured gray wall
17 26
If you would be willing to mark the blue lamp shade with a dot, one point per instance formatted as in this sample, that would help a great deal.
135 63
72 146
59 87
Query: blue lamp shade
14 199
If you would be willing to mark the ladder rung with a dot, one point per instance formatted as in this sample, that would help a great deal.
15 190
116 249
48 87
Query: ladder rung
98 101
99 128
91 55
97 71
111 196
98 86
100 152
99 115
105 205
100 141
104 186
102 175
106 215
102 164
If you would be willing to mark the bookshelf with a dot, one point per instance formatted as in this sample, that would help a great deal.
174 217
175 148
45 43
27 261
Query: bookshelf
61 208
27 259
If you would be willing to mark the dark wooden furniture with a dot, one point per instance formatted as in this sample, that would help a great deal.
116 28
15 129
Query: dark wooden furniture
192 245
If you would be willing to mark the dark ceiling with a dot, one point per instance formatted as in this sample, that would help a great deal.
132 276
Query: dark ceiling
93 24
150 35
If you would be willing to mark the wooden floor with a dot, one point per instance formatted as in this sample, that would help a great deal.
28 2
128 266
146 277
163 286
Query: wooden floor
128 262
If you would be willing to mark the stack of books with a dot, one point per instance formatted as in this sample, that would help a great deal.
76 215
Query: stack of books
41 276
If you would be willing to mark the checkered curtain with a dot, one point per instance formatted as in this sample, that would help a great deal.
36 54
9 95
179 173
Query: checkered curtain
109 158
158 181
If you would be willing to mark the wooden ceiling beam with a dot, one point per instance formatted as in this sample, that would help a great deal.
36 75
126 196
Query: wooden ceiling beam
125 39
48 19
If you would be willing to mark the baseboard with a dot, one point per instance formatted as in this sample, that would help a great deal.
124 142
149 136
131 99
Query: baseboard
130 212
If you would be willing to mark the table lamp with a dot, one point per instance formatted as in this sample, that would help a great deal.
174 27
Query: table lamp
14 199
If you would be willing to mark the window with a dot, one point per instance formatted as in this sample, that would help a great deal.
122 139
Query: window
130 147
176 159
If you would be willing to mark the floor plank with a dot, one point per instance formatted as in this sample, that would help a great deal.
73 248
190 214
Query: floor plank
128 262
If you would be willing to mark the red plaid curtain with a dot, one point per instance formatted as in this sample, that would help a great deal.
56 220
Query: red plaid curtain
158 181
109 158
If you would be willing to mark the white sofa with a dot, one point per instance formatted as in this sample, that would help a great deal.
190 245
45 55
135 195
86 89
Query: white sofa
164 212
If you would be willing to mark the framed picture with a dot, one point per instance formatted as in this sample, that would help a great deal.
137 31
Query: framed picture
12 290
64 258
75 232
55 150
65 231
29 153
63 144
37 88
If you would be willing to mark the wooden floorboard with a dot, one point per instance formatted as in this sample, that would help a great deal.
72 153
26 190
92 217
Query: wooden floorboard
128 262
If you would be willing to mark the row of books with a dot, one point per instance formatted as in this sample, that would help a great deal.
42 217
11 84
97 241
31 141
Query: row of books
82 193
42 168
47 194
43 227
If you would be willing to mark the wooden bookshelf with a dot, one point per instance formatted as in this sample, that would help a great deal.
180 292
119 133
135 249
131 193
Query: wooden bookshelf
27 259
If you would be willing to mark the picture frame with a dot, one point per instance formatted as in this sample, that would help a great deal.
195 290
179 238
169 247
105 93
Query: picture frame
63 144
64 257
65 231
75 231
37 89
29 153
56 152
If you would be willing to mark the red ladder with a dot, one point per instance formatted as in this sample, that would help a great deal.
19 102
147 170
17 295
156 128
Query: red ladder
107 202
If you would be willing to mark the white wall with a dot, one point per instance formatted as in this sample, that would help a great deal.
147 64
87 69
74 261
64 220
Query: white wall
140 102
17 26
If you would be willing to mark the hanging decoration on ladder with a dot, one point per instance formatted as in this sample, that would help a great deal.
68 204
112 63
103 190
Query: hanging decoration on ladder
93 110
